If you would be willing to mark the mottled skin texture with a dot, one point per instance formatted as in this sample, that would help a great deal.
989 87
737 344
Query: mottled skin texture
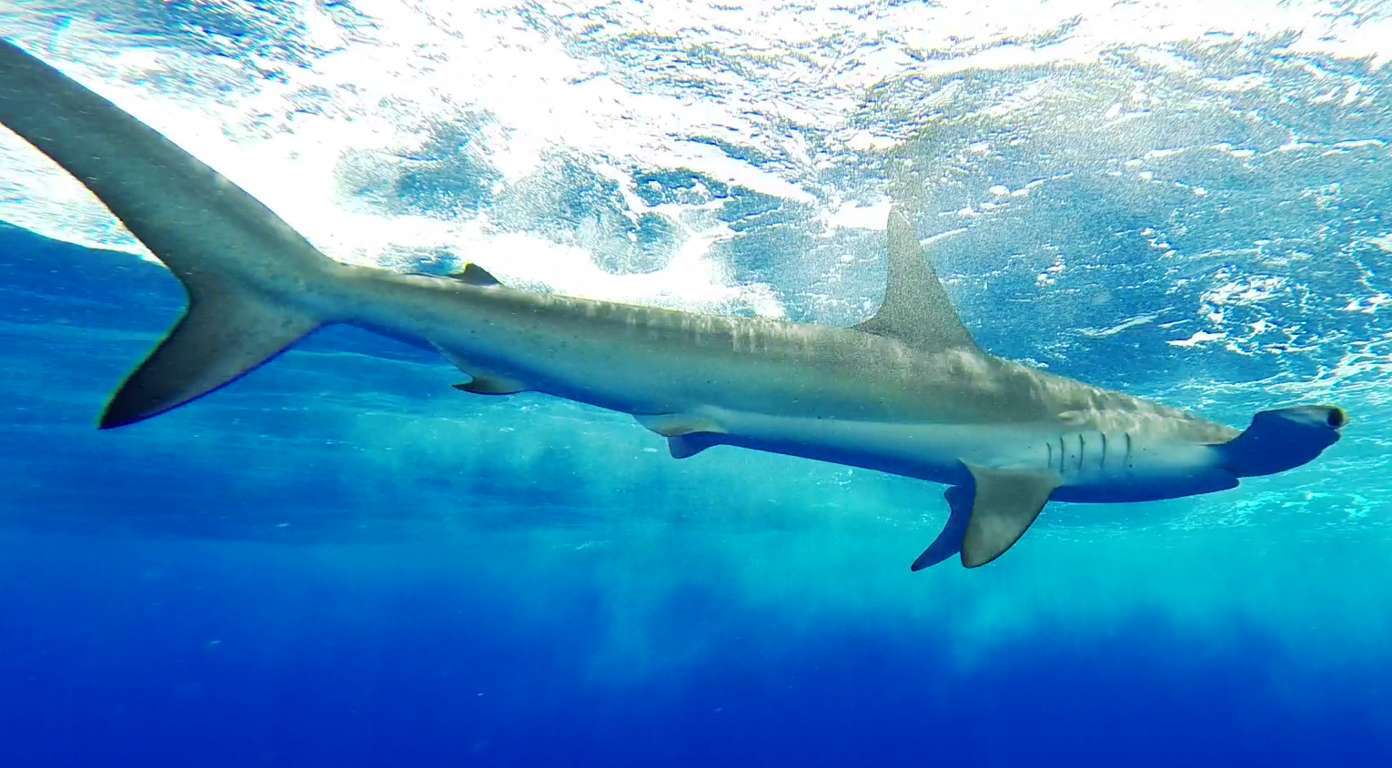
907 392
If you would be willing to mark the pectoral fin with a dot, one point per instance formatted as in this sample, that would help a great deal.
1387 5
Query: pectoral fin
949 541
1004 505
987 517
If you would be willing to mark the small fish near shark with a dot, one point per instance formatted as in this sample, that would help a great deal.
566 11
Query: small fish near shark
907 392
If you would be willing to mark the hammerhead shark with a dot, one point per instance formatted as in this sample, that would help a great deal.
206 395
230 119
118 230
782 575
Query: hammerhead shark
907 392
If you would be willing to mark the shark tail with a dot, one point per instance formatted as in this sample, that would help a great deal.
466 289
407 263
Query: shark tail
252 282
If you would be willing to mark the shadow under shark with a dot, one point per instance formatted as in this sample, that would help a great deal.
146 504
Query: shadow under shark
908 391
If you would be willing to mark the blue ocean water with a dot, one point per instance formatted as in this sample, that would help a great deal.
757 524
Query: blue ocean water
342 560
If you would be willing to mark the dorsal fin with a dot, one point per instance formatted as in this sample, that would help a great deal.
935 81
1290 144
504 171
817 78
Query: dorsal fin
916 309
473 274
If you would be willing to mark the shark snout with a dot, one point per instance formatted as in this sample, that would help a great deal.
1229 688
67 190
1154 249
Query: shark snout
1284 438
1315 416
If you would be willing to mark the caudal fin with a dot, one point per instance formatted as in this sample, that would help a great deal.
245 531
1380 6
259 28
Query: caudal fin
244 269
218 339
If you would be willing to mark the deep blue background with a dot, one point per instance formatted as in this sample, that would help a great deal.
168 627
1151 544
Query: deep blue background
109 656
237 584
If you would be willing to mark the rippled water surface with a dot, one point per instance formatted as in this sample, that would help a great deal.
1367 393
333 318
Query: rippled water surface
342 559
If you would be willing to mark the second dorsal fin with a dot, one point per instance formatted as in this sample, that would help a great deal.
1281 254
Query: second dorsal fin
473 274
916 309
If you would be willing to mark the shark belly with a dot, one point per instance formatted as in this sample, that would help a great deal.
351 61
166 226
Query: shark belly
1124 466
925 450
922 450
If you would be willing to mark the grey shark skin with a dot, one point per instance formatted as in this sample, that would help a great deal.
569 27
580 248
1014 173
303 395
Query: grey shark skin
907 392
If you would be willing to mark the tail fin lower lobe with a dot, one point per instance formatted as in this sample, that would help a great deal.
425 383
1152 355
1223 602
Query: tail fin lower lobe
241 265
220 338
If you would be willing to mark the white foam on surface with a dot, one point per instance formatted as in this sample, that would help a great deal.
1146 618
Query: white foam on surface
786 101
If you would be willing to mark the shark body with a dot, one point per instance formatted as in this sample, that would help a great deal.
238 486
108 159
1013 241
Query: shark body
907 392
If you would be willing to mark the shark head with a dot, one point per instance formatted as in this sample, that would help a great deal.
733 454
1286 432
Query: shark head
1283 439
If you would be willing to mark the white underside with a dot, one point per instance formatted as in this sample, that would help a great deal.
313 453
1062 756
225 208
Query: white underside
1091 466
